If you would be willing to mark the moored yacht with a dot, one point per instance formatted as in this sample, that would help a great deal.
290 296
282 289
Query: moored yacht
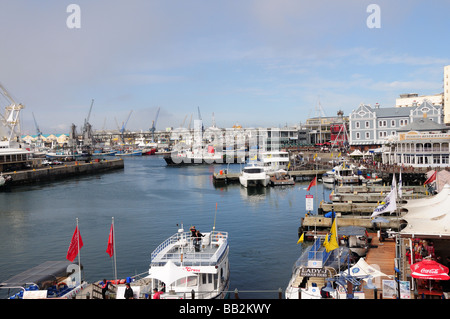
274 160
254 175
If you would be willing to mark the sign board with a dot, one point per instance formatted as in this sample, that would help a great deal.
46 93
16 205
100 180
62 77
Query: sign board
314 272
390 289
309 200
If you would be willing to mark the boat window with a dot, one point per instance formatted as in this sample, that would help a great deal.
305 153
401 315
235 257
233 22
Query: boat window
204 279
190 281
252 170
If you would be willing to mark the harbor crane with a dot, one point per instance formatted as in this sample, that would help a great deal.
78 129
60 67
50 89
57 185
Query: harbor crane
87 128
11 117
124 125
153 128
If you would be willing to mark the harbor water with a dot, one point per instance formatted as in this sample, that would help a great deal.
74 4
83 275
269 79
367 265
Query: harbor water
147 200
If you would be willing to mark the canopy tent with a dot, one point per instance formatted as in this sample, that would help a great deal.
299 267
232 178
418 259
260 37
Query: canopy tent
429 216
169 273
356 153
362 269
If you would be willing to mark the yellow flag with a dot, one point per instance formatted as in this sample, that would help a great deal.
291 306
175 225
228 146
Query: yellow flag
333 243
315 155
325 242
300 240
339 154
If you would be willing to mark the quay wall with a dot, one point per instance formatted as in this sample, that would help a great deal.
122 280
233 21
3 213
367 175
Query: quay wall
54 172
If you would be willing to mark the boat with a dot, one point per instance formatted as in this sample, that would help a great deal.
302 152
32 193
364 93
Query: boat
328 177
274 160
254 175
196 157
313 267
129 153
186 267
345 174
281 178
51 279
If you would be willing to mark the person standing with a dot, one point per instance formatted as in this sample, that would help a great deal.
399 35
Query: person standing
105 286
128 292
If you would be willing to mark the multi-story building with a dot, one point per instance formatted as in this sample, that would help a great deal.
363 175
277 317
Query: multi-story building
328 129
446 98
372 127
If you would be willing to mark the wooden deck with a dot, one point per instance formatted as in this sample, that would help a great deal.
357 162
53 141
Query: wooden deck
381 256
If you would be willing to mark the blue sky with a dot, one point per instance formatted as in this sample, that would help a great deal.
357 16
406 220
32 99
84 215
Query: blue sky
254 62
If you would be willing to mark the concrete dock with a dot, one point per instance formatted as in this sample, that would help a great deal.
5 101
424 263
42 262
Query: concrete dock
54 172
224 177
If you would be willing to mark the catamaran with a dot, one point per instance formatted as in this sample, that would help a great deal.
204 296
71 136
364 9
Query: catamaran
185 267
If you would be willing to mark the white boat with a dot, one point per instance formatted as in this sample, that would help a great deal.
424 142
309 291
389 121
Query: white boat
51 279
345 174
185 266
313 267
274 160
254 175
196 157
328 177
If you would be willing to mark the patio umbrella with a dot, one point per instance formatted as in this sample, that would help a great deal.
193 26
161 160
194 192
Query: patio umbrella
429 269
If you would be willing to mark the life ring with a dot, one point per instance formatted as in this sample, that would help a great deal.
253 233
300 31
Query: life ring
218 236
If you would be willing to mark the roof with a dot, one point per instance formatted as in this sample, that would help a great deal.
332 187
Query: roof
48 271
393 111
424 124
428 216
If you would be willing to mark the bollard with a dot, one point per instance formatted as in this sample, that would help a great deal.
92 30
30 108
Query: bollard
236 294
192 294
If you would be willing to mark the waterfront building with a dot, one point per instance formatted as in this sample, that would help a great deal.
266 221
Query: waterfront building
446 98
411 99
422 143
372 127
329 129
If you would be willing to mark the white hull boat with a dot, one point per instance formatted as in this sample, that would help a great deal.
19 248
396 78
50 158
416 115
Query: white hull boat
186 267
254 175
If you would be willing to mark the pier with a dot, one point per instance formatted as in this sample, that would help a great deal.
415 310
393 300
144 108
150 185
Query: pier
229 178
55 172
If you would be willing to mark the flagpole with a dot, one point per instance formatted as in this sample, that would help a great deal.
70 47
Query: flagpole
79 252
114 245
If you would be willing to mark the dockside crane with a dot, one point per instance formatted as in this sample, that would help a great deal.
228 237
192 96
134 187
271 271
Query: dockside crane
87 128
153 128
11 118
124 125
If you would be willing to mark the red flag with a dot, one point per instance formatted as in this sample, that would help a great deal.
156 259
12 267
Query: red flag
110 248
431 179
313 183
74 246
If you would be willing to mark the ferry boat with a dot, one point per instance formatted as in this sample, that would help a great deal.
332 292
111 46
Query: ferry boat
274 160
254 175
345 174
51 279
185 267
313 267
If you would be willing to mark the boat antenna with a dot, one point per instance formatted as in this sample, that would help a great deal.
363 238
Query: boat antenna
215 214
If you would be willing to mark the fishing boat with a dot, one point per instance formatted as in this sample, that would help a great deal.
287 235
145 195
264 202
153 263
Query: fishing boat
185 267
281 178
313 267
51 279
254 175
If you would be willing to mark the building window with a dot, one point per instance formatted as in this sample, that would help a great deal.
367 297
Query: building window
367 124
367 135
357 136
357 124
393 123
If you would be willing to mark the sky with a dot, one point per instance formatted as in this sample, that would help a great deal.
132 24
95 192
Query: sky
256 63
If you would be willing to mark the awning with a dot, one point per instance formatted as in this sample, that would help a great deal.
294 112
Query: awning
42 274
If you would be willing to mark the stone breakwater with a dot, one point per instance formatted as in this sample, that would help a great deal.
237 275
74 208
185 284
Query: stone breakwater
55 172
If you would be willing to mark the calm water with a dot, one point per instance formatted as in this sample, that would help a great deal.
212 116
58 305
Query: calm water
147 200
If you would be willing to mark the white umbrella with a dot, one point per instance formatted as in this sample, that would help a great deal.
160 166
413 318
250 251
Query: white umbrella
169 273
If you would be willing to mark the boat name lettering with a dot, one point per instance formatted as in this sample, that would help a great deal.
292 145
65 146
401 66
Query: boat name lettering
191 269
313 272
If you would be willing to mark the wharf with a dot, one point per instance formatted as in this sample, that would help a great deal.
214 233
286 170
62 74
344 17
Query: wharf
224 177
54 172
381 255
